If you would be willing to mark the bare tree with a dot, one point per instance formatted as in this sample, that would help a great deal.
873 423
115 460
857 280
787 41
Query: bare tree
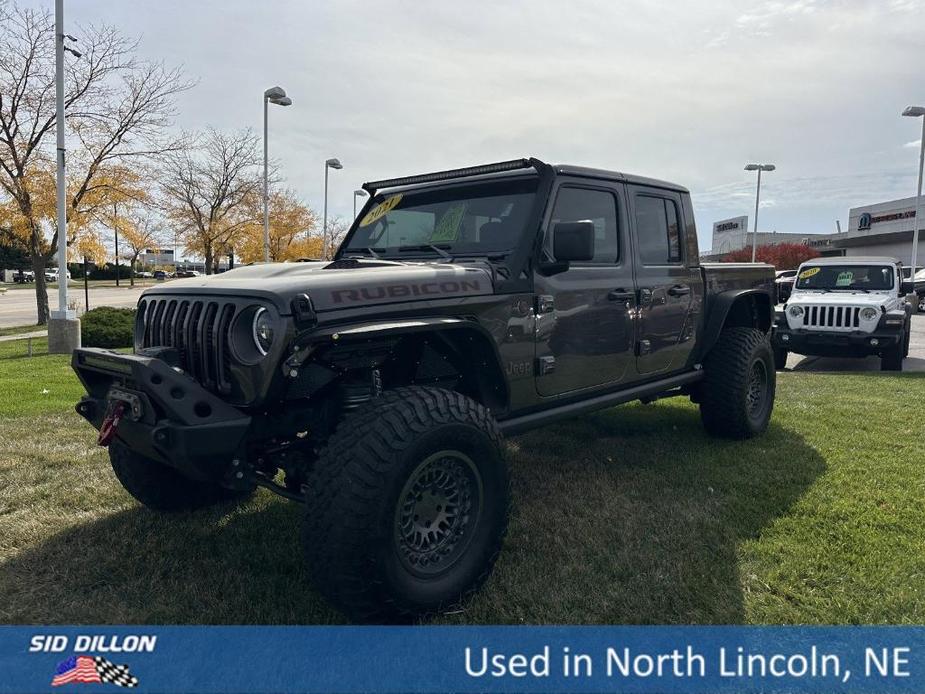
213 192
116 104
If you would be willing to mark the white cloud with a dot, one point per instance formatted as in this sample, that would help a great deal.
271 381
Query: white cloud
915 144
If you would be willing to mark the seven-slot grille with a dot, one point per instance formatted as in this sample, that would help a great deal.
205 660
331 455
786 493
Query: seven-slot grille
845 318
200 331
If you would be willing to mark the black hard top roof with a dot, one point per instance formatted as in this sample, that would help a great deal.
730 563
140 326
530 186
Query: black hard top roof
517 167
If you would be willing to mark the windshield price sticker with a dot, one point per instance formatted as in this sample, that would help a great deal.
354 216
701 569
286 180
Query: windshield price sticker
806 274
844 279
447 228
381 210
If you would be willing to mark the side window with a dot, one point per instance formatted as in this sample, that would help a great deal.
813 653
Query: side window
597 206
658 230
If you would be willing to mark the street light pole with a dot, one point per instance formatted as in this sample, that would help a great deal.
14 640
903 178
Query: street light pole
917 112
359 193
329 164
759 168
274 95
61 181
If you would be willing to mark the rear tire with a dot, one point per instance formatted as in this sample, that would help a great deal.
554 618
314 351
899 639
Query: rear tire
162 488
407 505
892 360
780 358
739 384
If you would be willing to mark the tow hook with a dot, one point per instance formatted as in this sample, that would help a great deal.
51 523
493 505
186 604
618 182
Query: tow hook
110 423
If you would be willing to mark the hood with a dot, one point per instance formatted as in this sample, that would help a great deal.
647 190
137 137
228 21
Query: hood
839 298
341 284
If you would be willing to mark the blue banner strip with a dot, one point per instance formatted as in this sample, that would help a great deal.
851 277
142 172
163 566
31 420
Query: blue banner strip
462 659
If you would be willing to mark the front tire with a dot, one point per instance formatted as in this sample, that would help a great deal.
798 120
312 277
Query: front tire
162 488
407 505
739 383
892 360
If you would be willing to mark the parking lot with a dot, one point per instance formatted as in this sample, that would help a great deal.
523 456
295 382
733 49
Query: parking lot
17 306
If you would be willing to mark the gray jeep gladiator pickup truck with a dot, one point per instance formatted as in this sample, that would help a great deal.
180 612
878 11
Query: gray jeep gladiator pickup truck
462 306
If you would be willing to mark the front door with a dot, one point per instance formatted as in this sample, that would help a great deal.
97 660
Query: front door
666 282
584 316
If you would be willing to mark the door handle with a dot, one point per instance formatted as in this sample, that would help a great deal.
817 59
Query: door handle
679 290
621 295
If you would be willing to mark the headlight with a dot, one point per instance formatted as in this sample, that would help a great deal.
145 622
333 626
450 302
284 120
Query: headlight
263 330
869 313
795 311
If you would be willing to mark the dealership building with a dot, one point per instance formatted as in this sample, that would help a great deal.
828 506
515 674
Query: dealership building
883 228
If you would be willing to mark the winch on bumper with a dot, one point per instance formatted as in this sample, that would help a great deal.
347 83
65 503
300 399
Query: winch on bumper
166 415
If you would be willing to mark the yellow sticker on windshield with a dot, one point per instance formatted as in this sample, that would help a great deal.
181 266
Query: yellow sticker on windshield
380 210
806 274
447 228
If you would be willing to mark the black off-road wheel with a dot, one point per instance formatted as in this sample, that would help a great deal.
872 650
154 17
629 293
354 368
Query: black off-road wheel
737 392
407 505
162 488
780 358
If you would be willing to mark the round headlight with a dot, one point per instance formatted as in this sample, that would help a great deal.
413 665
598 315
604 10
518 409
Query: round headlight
795 311
869 313
263 330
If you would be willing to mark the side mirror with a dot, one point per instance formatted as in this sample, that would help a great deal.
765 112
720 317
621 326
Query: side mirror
907 287
573 241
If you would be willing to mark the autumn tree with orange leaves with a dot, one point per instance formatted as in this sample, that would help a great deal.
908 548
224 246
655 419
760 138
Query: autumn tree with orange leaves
117 108
293 227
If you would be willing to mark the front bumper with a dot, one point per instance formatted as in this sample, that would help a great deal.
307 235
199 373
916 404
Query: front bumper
170 418
834 344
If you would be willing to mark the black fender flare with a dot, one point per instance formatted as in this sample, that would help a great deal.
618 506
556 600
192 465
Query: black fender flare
488 371
720 307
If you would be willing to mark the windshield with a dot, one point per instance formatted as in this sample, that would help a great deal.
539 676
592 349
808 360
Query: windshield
857 277
486 218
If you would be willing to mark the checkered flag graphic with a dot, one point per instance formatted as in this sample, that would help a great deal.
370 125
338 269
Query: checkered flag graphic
114 674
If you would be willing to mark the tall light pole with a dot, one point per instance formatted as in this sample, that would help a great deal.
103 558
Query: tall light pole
329 164
273 95
63 326
359 193
759 168
917 112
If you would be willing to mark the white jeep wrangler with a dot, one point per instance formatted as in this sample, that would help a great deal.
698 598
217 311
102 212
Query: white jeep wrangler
846 307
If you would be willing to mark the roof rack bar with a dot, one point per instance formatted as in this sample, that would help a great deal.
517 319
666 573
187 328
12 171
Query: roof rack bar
513 165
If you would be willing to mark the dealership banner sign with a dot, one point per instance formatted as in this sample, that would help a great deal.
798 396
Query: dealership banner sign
461 659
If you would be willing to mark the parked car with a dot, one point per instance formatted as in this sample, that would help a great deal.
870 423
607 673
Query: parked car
783 283
187 273
144 274
380 384
918 285
24 276
51 274
160 275
846 307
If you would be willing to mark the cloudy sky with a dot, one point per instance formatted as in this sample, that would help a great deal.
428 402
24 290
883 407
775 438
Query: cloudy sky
686 91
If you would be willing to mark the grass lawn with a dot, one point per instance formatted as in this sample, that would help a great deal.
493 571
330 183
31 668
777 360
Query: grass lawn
631 515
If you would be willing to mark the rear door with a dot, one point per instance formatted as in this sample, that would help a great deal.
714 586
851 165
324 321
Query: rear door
584 316
667 280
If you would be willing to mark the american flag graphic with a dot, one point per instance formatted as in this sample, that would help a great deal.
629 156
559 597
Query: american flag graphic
92 670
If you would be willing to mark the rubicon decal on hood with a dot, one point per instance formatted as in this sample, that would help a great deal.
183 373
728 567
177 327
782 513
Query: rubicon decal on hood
401 291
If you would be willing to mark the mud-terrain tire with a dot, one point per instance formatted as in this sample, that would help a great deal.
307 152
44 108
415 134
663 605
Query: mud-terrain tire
407 505
892 359
162 488
738 387
780 358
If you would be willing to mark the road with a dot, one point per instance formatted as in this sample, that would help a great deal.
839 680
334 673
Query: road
914 362
17 306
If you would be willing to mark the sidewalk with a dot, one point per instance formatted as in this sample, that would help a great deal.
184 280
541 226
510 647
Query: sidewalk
24 336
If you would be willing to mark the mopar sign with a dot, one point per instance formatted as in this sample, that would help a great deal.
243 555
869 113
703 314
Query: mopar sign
866 219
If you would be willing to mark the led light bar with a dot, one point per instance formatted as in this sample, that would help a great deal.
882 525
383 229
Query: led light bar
512 165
